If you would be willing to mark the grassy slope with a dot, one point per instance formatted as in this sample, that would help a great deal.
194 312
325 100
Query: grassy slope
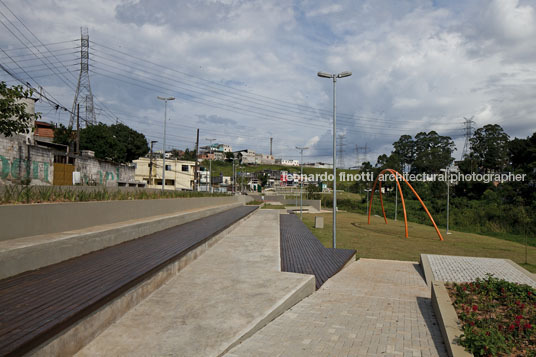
381 241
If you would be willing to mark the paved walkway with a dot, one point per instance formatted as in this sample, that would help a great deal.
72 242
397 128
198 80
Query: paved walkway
234 288
371 308
465 269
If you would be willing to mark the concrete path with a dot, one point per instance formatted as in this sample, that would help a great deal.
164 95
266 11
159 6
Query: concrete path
224 296
371 308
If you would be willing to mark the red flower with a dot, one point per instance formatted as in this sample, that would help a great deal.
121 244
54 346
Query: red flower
475 307
464 288
487 333
519 317
522 306
472 323
529 293
511 327
528 326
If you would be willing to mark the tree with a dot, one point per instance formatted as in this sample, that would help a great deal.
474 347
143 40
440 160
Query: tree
229 156
64 135
405 150
14 118
433 152
489 146
176 154
135 143
117 143
189 155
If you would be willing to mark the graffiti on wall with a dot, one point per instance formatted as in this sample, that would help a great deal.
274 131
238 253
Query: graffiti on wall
18 169
101 177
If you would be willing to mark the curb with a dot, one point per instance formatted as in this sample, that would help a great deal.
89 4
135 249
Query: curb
447 320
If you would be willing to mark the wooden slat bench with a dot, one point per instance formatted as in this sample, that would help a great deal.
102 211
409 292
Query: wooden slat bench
302 252
37 305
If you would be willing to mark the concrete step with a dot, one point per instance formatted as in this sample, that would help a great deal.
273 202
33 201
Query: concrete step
29 253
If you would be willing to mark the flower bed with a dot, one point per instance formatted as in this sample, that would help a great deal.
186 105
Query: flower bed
498 317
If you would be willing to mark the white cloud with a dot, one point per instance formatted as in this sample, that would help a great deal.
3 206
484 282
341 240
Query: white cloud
415 66
326 10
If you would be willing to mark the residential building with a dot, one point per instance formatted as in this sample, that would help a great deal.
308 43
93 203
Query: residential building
179 173
290 162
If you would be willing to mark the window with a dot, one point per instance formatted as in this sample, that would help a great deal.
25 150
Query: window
168 167
185 168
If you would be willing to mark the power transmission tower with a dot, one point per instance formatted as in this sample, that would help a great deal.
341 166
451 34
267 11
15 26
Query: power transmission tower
468 134
83 95
340 150
358 149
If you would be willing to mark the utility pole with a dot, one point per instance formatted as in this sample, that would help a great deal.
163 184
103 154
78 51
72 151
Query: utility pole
151 181
196 172
341 150
77 129
301 178
210 162
271 141
363 149
234 175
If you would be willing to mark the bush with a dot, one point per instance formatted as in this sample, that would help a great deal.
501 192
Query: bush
498 317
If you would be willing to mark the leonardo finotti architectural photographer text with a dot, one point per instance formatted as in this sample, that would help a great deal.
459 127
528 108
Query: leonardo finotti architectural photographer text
422 177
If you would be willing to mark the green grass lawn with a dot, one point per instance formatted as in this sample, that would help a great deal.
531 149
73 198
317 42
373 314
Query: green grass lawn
387 241
271 206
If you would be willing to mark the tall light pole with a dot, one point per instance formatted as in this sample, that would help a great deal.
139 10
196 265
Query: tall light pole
301 178
396 200
334 77
210 162
447 172
164 144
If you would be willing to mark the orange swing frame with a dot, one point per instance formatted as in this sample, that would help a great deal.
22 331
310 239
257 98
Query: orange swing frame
396 175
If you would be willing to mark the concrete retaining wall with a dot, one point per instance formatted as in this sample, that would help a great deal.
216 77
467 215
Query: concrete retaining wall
36 219
289 202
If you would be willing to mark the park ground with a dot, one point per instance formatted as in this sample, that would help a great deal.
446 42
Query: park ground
387 241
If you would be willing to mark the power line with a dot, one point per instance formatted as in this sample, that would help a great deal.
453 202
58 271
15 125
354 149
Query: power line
246 94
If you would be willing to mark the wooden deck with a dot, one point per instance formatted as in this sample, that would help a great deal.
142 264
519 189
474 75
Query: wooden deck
302 252
37 305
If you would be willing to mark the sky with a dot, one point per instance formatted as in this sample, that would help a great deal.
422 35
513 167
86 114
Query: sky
246 71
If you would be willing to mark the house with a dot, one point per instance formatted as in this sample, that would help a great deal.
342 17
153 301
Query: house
179 173
246 157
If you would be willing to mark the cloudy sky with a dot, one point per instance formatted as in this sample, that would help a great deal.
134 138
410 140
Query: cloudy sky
245 71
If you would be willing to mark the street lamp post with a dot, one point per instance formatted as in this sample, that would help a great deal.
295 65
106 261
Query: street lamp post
367 190
396 200
334 78
447 172
301 178
210 162
165 99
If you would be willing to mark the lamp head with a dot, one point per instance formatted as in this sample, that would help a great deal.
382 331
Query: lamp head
324 75
344 74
